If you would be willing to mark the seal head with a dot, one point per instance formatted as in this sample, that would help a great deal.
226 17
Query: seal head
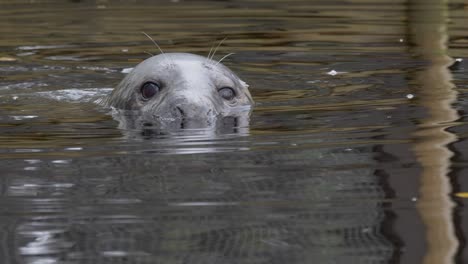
181 87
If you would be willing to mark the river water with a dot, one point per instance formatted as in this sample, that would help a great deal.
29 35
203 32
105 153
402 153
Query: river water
355 152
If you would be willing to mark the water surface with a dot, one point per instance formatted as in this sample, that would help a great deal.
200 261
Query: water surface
355 152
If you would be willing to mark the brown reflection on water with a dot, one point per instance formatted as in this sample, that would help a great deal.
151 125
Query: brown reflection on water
436 93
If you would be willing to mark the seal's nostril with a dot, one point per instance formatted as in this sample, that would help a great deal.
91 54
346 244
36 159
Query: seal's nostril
181 112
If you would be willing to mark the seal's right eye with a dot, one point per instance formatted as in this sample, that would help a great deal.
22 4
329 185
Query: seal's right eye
227 93
149 89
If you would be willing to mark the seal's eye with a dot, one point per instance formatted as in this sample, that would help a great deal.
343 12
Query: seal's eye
149 90
227 93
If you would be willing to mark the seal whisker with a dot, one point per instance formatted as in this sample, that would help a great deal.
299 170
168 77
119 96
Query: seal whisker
148 36
225 56
221 42
211 50
159 48
149 53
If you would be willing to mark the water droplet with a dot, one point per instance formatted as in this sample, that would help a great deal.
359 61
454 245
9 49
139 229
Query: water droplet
60 161
74 148
332 73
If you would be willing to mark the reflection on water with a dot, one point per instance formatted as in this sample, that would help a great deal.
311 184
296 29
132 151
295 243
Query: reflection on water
437 94
354 152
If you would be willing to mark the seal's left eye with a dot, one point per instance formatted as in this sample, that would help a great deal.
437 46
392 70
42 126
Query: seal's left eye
149 90
227 93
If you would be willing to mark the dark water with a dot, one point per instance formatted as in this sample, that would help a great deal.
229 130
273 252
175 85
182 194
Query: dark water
356 150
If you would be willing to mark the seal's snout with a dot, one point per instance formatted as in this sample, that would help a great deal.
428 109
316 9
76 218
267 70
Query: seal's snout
177 107
184 108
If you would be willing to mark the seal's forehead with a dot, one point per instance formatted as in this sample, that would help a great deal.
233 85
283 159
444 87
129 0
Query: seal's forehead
176 58
176 65
172 66
181 59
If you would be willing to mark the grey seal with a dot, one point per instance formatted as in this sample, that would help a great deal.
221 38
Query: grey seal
181 88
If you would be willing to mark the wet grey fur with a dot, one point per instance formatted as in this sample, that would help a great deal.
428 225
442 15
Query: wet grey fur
189 89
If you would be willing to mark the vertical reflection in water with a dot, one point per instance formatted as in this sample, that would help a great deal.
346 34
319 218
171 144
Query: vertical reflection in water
427 23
